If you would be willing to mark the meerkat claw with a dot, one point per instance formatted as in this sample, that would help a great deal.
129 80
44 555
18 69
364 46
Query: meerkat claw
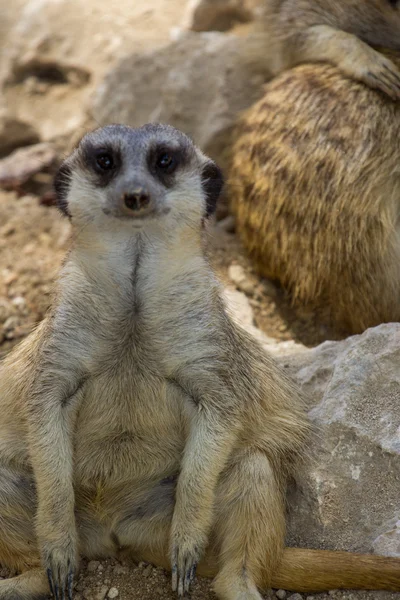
70 584
174 577
51 583
190 576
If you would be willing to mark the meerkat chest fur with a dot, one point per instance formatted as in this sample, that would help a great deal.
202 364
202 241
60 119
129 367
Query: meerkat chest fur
143 308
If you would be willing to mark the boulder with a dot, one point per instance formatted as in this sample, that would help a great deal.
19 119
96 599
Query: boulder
198 83
15 133
54 52
347 495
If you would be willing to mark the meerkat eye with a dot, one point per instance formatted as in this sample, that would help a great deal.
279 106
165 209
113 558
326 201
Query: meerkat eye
166 162
105 161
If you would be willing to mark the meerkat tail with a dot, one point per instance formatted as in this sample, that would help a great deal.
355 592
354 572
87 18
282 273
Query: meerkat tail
305 570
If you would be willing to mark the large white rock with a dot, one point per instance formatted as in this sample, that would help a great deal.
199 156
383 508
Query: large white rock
350 498
348 495
53 52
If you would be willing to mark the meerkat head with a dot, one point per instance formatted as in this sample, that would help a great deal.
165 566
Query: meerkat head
134 175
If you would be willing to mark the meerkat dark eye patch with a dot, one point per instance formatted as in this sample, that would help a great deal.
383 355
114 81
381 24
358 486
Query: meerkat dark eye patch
61 186
103 161
164 161
212 182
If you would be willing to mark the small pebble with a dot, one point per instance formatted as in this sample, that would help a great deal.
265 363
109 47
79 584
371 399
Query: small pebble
147 571
281 594
120 570
93 565
295 597
102 593
113 592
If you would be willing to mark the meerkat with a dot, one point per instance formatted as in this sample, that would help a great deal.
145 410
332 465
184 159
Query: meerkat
314 163
138 417
315 193
344 33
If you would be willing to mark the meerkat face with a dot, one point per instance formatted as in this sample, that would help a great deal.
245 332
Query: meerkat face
135 175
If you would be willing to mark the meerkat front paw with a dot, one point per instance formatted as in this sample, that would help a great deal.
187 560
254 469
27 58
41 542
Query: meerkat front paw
60 560
377 72
185 555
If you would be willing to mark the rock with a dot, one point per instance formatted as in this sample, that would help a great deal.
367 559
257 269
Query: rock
120 570
295 597
281 594
217 15
102 593
388 543
238 275
113 593
349 499
15 133
22 165
93 565
147 571
198 84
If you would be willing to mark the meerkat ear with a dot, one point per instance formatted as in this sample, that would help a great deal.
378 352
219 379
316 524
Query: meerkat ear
61 187
212 183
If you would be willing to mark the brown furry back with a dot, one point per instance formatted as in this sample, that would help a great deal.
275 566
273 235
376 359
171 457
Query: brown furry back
315 190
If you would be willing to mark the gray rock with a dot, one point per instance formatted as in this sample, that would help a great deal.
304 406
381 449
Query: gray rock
215 15
198 83
349 497
15 133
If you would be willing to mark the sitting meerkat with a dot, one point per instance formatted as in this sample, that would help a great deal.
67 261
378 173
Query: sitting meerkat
343 33
314 169
138 416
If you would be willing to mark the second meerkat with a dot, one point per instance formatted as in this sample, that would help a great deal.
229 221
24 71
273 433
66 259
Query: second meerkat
138 416
343 33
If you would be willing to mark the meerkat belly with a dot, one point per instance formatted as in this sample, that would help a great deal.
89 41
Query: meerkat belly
128 432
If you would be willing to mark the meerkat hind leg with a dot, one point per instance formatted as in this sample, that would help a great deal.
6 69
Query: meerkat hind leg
250 527
30 585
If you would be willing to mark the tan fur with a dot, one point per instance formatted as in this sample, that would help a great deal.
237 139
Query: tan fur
138 417
343 33
315 190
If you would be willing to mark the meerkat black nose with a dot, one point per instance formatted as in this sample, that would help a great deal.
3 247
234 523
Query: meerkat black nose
136 199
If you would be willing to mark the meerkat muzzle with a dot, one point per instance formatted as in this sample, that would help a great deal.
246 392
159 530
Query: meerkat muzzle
136 200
